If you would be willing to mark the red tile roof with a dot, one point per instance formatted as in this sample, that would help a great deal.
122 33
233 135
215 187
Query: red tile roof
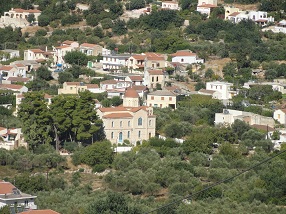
18 79
62 47
183 53
74 83
136 78
131 93
1 129
207 5
20 65
89 45
118 115
108 82
139 56
6 68
92 86
11 86
37 50
20 10
6 187
40 212
110 109
155 72
234 14
68 42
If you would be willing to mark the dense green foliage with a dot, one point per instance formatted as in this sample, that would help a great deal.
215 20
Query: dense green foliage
68 118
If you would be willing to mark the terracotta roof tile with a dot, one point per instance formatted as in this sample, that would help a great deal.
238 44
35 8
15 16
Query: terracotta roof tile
92 86
6 68
37 50
139 56
136 78
62 47
155 72
89 45
131 93
20 10
118 115
108 82
18 79
207 5
68 42
183 53
234 14
6 187
11 86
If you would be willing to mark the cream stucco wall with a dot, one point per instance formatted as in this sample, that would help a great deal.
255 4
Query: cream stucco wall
161 101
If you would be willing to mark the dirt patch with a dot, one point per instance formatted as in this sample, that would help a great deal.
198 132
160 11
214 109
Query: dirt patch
217 65
241 6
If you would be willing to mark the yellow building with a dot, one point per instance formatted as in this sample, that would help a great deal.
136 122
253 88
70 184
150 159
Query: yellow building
162 99
76 87
128 122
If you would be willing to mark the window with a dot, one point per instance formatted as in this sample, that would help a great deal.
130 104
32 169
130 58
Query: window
170 98
150 122
140 121
128 134
128 123
112 135
71 88
139 133
157 79
182 60
278 116
112 124
152 97
160 105
162 98
158 64
152 79
120 123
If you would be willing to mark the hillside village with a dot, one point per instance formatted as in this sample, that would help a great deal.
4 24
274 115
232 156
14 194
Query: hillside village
125 107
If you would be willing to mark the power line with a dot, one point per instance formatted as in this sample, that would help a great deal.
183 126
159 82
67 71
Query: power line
216 184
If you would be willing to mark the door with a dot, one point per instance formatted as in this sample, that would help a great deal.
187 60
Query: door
120 137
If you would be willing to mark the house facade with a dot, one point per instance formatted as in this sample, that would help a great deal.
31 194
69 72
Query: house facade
9 54
17 17
162 99
14 198
114 62
205 6
260 17
154 77
34 54
170 5
186 57
280 116
15 88
11 138
128 122
76 87
228 116
90 49
222 89
17 70
146 61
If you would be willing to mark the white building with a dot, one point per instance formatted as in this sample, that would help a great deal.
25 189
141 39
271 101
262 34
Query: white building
229 116
17 70
34 54
17 17
14 87
205 6
186 57
170 5
223 90
11 138
114 62
9 54
14 198
280 116
277 86
260 17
